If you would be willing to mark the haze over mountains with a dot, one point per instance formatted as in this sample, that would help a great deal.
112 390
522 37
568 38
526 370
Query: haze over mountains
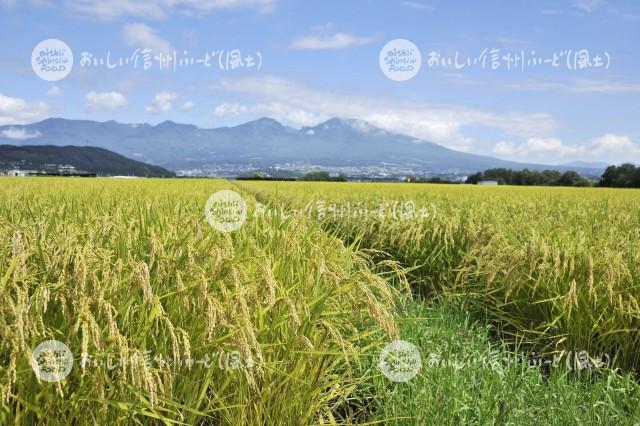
264 143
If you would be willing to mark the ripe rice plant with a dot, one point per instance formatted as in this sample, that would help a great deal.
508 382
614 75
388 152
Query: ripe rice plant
558 267
144 292
281 322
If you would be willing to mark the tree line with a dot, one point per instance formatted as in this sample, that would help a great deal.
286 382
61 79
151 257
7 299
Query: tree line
530 177
624 176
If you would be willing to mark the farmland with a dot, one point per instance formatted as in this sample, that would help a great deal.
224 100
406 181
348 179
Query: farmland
170 321
559 267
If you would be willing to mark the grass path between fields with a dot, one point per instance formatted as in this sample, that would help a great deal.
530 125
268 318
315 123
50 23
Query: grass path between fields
467 377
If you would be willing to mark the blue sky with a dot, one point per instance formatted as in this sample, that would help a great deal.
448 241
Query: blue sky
319 59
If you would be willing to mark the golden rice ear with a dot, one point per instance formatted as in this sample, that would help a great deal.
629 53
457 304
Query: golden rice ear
144 280
138 285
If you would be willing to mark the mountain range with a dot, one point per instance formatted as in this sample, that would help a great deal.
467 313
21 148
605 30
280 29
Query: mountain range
264 143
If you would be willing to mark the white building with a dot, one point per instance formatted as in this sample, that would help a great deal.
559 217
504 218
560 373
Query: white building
488 183
17 172
66 169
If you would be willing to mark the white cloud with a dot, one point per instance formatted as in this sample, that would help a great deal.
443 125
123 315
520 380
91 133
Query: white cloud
543 146
54 91
110 10
158 9
619 146
505 149
139 35
538 149
9 4
610 148
187 106
162 102
418 5
19 111
19 133
229 110
211 5
105 100
511 42
604 86
578 86
301 105
589 5
333 41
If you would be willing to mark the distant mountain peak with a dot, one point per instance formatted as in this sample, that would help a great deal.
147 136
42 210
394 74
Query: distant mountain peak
264 122
588 164
348 123
332 122
170 124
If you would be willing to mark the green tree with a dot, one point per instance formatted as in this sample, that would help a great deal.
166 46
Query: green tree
625 176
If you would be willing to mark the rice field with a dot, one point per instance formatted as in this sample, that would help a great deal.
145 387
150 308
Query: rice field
170 321
178 323
557 267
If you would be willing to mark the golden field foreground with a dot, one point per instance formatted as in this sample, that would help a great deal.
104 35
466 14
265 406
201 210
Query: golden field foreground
170 321
177 322
557 266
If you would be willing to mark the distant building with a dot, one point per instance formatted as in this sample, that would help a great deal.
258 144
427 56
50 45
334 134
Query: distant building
21 172
488 183
67 169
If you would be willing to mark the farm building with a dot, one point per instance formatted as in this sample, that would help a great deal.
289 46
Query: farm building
21 172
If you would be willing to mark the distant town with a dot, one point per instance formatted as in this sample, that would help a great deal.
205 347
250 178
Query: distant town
384 172
51 170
